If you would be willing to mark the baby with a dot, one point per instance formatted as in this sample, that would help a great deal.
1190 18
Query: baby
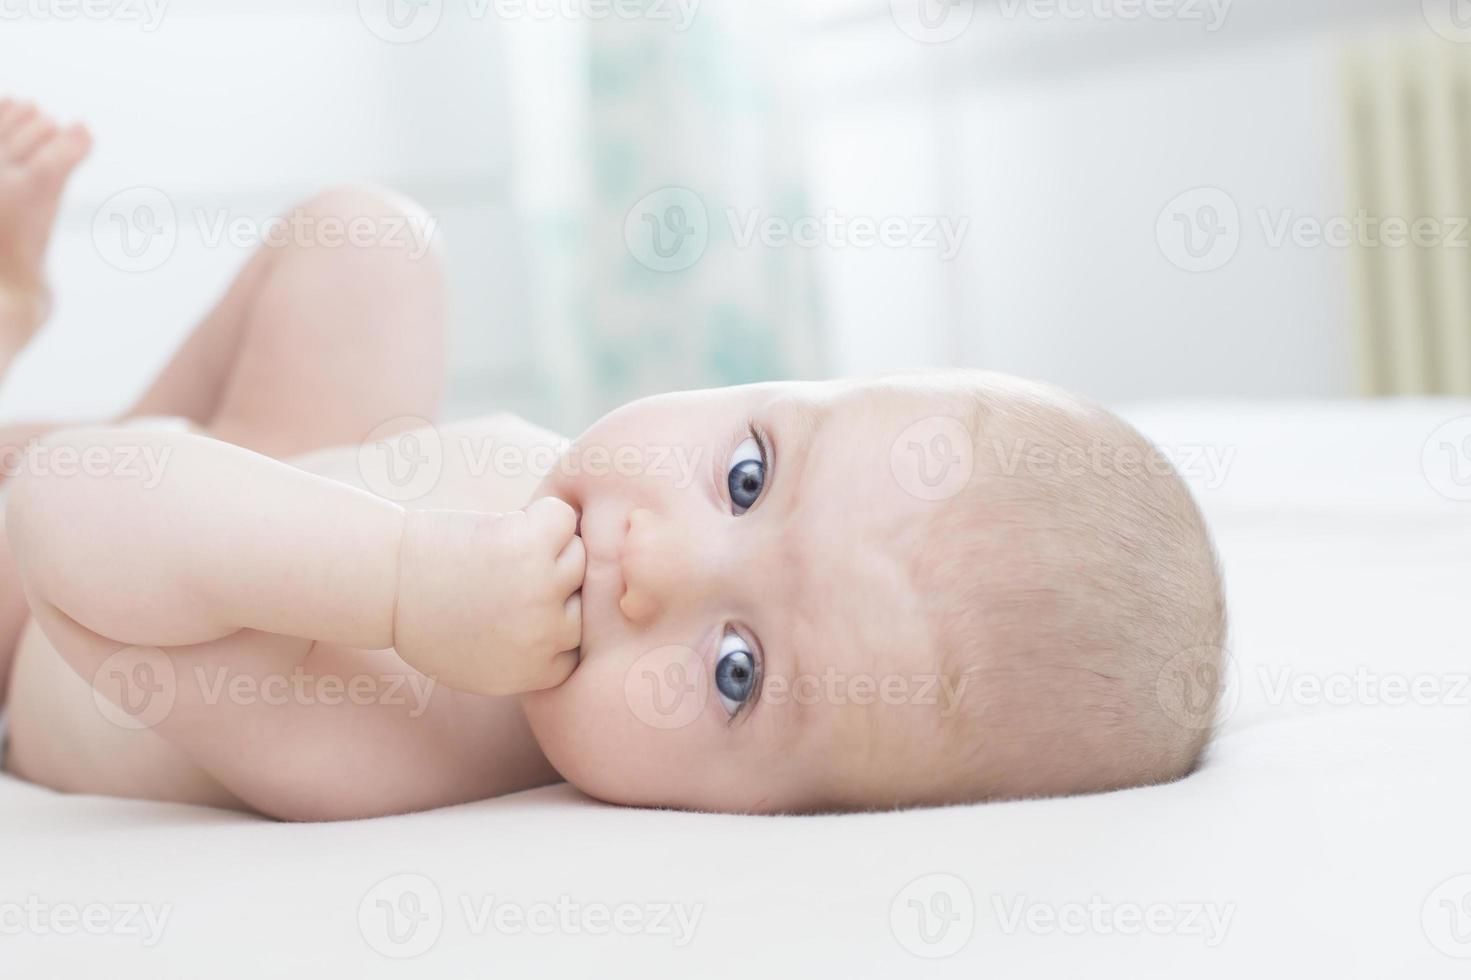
784 597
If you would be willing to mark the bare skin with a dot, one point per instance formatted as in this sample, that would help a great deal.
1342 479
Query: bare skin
36 158
758 633
309 349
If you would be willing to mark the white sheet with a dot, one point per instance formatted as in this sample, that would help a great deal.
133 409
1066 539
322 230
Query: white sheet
1326 840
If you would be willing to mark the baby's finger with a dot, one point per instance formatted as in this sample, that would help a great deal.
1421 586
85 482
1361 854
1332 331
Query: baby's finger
560 668
569 636
554 518
571 566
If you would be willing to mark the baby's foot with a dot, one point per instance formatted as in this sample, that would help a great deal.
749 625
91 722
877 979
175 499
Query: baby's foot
36 158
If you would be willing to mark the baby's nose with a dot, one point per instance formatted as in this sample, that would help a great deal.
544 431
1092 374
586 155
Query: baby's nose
661 567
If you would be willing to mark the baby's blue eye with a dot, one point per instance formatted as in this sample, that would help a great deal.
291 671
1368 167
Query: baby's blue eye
735 673
746 477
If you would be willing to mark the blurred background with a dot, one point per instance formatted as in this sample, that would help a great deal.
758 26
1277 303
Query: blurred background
1137 199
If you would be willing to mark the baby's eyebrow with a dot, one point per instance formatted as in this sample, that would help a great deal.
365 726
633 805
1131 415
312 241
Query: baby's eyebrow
805 419
796 429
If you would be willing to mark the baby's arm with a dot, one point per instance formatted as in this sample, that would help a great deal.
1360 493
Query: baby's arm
225 539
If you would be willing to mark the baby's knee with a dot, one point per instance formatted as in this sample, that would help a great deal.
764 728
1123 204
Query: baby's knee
373 220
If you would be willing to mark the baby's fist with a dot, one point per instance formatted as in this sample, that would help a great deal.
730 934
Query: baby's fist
489 603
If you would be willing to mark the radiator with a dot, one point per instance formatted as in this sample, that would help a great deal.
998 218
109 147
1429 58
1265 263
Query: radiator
1409 133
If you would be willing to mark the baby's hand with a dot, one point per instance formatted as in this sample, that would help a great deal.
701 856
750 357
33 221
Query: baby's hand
490 603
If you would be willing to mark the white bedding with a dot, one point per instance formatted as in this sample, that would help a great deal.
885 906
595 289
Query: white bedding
1319 839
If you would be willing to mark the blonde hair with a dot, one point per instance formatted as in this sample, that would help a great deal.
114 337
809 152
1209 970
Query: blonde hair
1073 580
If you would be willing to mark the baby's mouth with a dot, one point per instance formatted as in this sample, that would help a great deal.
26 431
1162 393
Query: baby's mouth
602 532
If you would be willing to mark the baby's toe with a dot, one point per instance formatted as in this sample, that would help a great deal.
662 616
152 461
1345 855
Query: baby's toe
59 155
26 140
19 115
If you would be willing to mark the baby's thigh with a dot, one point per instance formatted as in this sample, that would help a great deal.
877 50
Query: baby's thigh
123 721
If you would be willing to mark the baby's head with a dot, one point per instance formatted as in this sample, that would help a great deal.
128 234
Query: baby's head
920 590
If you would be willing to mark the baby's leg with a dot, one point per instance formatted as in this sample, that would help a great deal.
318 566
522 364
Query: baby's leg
36 158
311 346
